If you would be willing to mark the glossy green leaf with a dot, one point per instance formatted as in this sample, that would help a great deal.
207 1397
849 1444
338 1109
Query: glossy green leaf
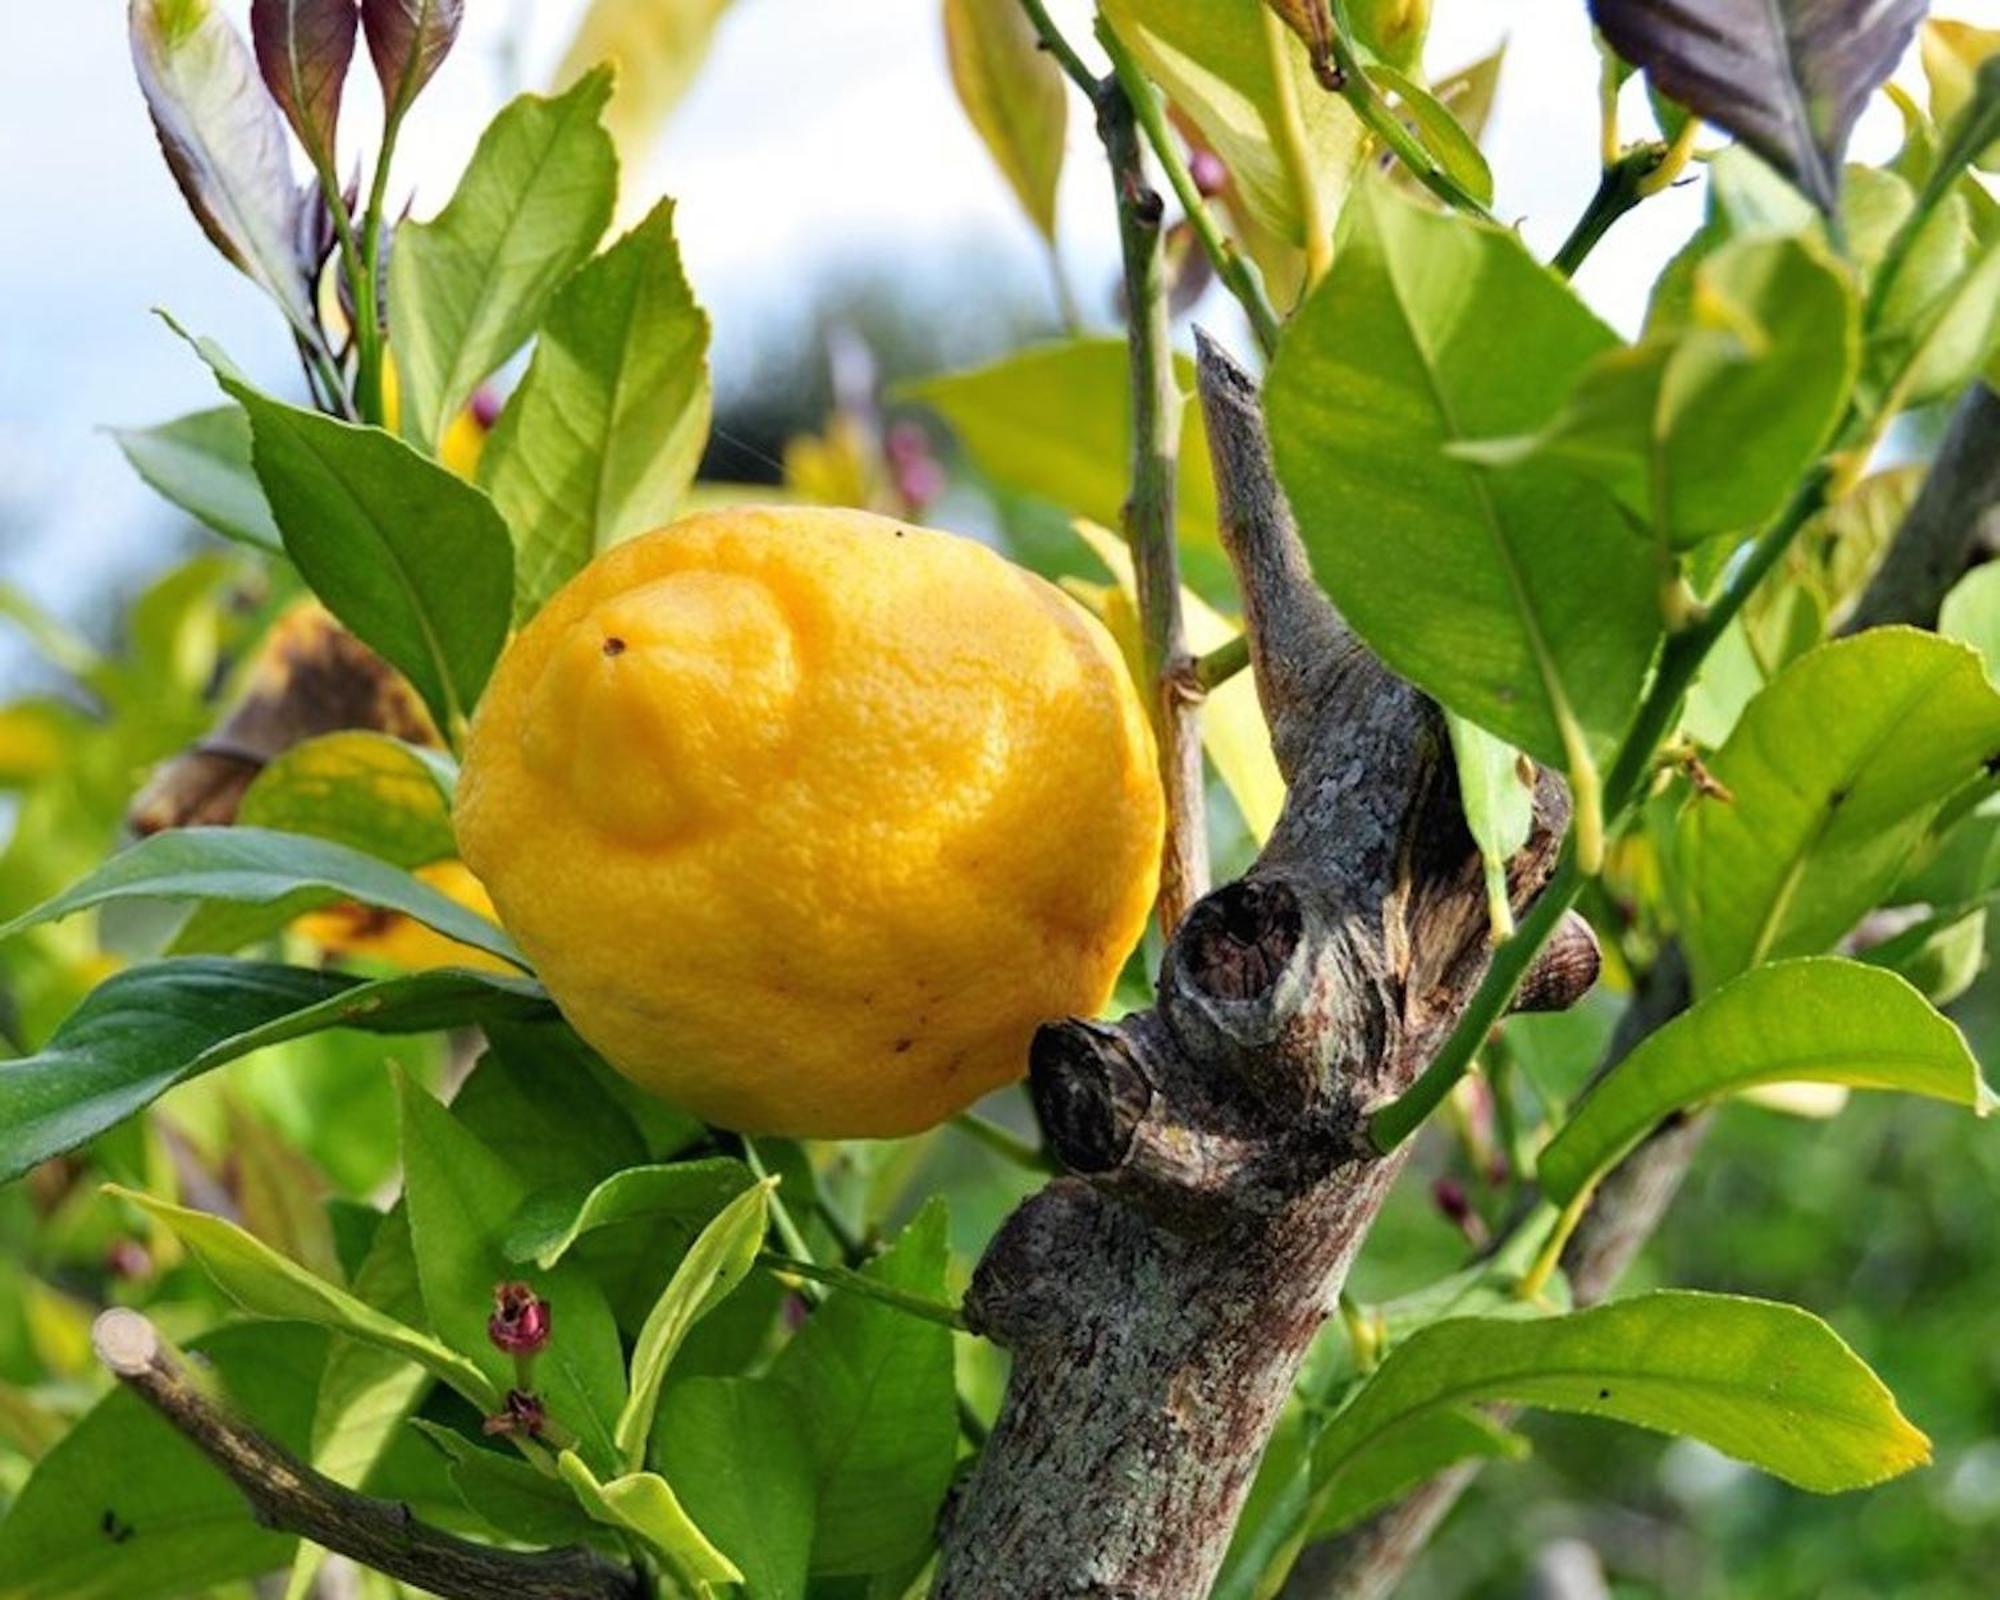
1055 421
1420 1449
657 47
1518 598
544 1102
1971 614
467 288
642 1503
460 1196
266 1284
516 1500
1787 77
1707 425
148 1028
256 866
1834 774
1441 134
1012 91
303 48
1821 1019
602 438
715 1264
414 560
692 1192
1499 801
1768 1384
224 141
733 1450
874 1388
124 1508
1941 957
201 463
358 788
1247 83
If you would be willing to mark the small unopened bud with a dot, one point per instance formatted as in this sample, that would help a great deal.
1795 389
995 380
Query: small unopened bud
918 477
485 406
520 1321
127 1258
522 1413
1210 176
1448 1194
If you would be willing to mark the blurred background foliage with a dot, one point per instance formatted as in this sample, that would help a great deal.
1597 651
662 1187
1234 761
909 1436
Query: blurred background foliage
1878 1218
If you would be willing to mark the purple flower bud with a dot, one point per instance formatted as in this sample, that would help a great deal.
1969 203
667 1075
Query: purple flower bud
520 1321
485 406
1210 176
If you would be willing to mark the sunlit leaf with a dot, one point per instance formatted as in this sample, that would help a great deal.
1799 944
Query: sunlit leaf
358 788
718 1260
1787 77
657 46
224 140
148 1028
734 1451
1820 1020
468 287
1971 614
266 1284
692 1192
1768 1384
1012 91
602 438
303 50
201 463
1829 782
1438 129
642 1503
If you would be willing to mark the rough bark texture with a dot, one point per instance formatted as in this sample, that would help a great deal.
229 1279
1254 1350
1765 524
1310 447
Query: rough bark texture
286 1494
1158 1300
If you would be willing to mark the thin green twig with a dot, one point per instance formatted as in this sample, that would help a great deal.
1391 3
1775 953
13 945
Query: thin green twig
1003 1142
816 1273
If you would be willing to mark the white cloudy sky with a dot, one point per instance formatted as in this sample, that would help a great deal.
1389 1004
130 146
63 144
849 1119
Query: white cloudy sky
821 131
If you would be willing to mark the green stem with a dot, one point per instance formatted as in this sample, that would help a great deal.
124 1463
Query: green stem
1073 65
787 1229
372 347
1238 274
1003 1143
1679 661
1222 663
813 1272
1620 187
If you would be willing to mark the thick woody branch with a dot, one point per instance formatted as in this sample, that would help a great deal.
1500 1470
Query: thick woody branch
286 1494
1158 1300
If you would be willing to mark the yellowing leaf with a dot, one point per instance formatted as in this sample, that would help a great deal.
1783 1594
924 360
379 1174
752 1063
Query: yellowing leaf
1012 91
657 46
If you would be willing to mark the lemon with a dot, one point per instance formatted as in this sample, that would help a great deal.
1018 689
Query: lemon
807 818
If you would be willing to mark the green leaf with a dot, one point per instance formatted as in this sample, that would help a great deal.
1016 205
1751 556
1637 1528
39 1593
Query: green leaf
357 788
1706 425
1817 1020
516 1500
1768 1384
1420 1449
692 1192
467 288
280 1195
265 1284
1499 802
657 47
413 559
201 463
641 1503
602 438
717 1262
1455 150
1012 91
733 1451
1055 422
1834 773
1948 344
460 1195
1971 614
1941 956
542 1101
1517 598
1247 84
225 143
148 1028
124 1508
874 1388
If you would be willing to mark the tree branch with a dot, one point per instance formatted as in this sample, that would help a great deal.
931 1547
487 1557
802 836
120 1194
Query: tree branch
1158 1300
286 1494
1953 525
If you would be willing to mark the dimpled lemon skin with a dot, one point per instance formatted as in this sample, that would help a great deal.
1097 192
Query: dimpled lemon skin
807 818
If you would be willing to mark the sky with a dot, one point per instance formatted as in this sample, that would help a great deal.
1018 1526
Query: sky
821 136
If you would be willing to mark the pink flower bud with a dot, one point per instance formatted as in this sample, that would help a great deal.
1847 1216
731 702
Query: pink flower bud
1209 174
520 1321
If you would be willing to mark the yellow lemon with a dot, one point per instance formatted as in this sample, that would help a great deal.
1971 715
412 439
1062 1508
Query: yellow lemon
356 930
807 818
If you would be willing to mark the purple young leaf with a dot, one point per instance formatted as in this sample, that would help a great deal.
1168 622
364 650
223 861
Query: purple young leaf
407 40
303 50
1787 77
224 141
